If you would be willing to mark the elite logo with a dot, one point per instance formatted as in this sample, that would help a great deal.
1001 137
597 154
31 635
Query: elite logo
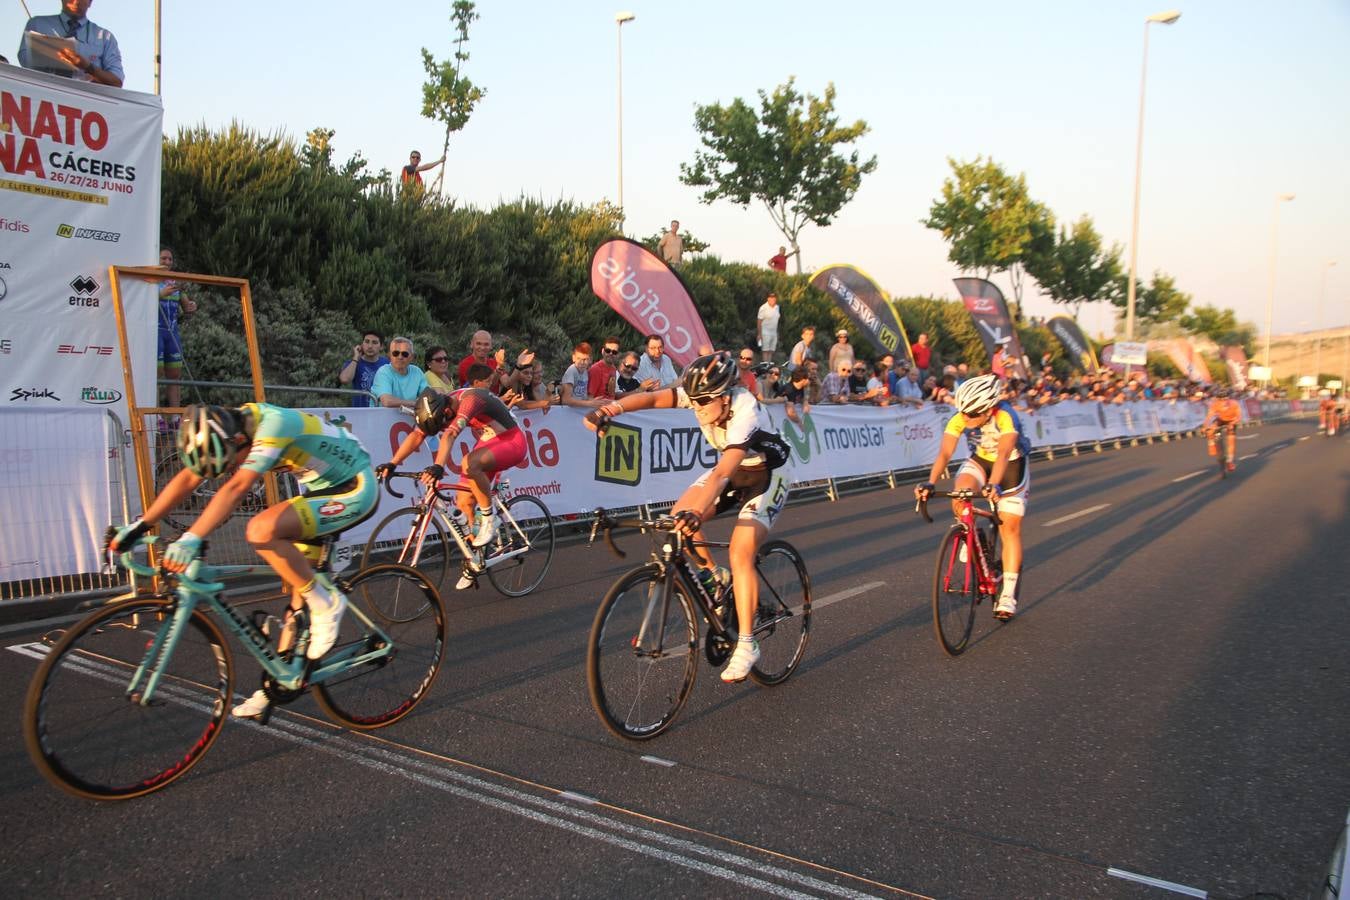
81 350
618 455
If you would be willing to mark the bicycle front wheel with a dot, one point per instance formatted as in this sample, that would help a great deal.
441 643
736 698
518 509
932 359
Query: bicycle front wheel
642 657
90 734
956 588
392 541
531 540
783 620
380 692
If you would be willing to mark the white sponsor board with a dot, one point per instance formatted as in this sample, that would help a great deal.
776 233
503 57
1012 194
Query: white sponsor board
1130 353
79 191
54 491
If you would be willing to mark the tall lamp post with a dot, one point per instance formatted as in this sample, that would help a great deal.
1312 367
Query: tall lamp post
1165 18
1274 244
619 19
1317 366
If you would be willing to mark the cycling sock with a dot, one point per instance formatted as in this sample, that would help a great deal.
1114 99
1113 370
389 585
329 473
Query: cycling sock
1010 584
745 639
316 597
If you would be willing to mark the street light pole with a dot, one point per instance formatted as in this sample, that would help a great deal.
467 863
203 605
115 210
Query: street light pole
1270 299
619 19
1317 366
1166 18
157 60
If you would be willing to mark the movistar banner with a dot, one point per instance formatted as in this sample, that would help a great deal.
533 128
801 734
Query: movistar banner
650 295
867 305
987 307
1076 345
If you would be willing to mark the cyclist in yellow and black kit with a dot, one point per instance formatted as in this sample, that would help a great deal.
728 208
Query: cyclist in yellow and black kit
340 490
997 467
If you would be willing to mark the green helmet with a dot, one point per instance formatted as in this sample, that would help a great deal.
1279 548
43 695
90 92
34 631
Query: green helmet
206 439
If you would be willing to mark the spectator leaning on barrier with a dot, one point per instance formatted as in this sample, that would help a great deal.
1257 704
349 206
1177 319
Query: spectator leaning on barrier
437 362
796 396
857 382
771 386
359 371
766 327
400 382
574 381
834 388
626 382
96 56
813 388
656 370
480 351
877 390
802 352
600 376
909 390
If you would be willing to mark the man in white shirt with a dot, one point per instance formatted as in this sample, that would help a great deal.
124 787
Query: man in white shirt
766 327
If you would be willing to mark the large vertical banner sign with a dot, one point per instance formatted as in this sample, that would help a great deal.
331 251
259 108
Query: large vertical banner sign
638 285
867 305
79 192
1183 353
1235 358
1077 348
989 310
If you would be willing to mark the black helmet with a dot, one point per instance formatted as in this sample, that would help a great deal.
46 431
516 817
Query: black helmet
711 376
432 411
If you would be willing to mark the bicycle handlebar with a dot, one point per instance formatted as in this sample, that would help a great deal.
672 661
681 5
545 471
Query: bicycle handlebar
448 497
921 506
188 579
607 523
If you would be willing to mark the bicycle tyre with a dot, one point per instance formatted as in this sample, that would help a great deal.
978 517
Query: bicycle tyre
783 621
388 543
637 691
88 738
521 574
956 589
379 693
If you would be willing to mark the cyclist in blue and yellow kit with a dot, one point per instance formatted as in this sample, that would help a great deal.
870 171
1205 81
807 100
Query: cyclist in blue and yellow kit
329 462
997 467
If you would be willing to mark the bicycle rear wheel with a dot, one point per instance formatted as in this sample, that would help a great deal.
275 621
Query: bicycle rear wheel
379 693
392 542
517 576
642 657
783 621
90 737
956 588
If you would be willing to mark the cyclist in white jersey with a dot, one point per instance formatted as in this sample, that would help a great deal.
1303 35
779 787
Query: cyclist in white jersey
749 473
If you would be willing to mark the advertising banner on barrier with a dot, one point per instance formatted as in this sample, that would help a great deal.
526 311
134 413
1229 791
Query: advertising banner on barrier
989 311
1077 348
54 491
650 295
79 191
866 304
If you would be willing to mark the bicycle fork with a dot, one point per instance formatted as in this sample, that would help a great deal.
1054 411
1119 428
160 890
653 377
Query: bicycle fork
157 651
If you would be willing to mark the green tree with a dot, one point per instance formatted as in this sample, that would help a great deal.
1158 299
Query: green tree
447 96
1221 326
991 222
1077 269
1158 302
784 156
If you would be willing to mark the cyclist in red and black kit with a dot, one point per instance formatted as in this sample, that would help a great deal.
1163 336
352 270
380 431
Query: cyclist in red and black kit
501 445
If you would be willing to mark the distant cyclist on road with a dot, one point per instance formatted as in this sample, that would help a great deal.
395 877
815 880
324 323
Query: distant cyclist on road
748 475
328 461
998 468
501 446
1328 412
1222 420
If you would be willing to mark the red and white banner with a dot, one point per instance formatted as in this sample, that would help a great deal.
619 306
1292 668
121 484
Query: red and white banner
1186 358
79 191
650 295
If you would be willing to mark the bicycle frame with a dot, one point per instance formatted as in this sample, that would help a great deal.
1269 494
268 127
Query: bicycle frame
988 582
433 503
204 589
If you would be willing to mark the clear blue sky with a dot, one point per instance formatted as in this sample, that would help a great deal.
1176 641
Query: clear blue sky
1245 100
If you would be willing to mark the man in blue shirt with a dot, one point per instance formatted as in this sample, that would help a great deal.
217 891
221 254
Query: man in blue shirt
95 57
359 371
398 383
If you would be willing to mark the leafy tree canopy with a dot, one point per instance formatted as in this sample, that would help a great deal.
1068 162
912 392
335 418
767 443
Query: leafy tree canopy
1077 269
448 96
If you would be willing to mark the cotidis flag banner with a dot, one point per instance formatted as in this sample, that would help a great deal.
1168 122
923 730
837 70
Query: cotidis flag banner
638 285
1188 360
989 310
867 305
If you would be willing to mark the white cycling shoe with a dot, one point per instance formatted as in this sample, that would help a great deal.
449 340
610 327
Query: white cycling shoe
487 530
323 625
253 707
1005 608
742 661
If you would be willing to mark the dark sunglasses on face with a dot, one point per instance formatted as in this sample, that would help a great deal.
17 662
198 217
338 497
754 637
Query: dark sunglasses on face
629 368
400 353
611 350
704 401
747 359
440 359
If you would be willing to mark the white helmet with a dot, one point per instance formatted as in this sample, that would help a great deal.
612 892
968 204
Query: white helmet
978 395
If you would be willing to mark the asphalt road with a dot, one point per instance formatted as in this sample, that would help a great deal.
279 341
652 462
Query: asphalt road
1173 700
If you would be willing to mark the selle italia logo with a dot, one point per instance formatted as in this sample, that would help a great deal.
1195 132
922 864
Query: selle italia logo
618 455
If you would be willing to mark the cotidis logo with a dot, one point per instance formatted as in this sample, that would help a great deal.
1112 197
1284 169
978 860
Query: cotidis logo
618 455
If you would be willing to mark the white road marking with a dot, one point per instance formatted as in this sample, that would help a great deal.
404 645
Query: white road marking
36 650
1158 883
1248 437
1305 437
644 841
846 594
1191 475
1071 516
658 761
1248 456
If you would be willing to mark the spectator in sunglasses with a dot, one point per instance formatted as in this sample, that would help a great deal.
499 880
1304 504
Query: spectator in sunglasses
400 382
437 362
600 376
627 382
744 361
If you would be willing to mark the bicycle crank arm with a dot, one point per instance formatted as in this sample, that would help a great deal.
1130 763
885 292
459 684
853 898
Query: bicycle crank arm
503 557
